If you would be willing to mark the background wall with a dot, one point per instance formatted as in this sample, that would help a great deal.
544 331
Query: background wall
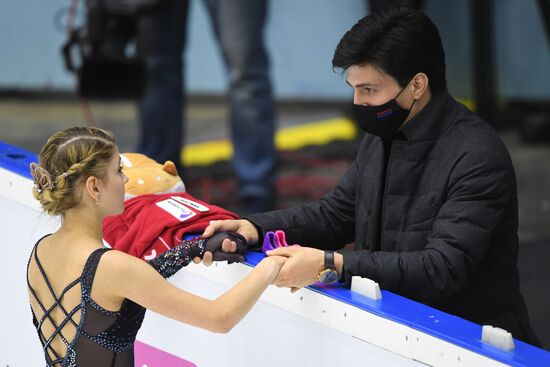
301 36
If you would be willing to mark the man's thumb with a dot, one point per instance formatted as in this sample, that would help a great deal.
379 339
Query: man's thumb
211 229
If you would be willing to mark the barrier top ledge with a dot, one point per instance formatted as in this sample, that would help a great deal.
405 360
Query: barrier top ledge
429 320
402 310
15 159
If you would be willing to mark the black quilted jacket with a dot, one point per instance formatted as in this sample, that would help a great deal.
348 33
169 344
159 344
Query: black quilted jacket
445 230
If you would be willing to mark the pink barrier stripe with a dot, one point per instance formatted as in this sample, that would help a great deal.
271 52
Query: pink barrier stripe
148 356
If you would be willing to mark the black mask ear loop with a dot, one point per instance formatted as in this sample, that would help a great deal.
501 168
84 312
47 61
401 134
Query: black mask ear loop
398 94
401 91
414 101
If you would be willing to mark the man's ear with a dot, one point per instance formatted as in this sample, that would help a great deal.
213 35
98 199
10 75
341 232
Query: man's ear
92 187
420 85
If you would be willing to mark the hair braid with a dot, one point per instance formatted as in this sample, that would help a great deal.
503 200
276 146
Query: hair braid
72 155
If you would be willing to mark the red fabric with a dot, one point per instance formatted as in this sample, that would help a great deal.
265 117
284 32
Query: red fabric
146 229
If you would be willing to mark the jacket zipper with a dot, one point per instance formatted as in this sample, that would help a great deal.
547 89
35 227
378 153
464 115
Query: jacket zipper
385 168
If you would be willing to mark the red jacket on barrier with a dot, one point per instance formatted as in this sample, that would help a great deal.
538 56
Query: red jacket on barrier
152 224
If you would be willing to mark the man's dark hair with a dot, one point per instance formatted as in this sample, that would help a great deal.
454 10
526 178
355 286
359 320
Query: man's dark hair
400 42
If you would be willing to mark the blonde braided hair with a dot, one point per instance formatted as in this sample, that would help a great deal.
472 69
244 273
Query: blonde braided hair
68 158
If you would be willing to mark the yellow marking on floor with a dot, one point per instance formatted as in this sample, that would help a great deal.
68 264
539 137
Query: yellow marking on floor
289 138
469 103
204 154
315 133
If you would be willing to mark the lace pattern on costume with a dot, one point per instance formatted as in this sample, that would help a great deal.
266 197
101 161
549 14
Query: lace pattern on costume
169 262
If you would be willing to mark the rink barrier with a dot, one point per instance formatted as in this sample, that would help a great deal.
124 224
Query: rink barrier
417 331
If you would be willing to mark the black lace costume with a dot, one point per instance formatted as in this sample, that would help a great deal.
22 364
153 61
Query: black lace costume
103 338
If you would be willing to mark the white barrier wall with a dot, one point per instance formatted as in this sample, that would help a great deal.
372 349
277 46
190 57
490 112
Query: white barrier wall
317 326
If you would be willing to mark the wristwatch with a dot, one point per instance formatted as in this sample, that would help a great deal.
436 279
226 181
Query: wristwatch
328 274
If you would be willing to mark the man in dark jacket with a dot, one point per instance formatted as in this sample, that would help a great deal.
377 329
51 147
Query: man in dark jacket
430 202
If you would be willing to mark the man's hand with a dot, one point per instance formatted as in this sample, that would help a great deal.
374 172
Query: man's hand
302 267
241 226
227 246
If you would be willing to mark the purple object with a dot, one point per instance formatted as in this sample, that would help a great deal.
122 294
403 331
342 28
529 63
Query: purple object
273 240
270 242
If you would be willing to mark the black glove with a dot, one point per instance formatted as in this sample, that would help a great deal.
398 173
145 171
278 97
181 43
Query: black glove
214 245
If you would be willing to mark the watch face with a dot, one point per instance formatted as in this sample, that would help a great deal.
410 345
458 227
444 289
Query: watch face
328 276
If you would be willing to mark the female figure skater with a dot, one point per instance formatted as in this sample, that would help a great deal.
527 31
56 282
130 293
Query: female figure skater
87 301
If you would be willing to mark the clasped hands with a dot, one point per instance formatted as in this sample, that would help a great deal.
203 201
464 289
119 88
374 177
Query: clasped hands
301 264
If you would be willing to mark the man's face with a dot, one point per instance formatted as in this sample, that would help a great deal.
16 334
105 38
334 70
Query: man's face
372 87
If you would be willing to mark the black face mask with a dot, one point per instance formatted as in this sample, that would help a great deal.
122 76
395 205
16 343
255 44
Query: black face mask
383 120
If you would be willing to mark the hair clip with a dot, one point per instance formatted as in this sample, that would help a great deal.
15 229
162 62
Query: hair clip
41 177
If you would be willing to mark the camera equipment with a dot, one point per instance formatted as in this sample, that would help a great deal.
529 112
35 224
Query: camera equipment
109 66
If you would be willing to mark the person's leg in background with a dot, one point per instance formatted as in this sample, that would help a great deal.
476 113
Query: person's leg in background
239 26
161 40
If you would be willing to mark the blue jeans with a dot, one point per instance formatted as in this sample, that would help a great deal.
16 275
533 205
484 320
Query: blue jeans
238 26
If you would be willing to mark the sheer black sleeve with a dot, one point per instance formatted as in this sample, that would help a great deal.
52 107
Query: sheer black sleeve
169 262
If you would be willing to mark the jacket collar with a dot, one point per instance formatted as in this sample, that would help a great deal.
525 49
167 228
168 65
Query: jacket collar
431 120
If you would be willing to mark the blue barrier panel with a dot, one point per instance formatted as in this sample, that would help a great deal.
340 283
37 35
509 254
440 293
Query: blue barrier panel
16 159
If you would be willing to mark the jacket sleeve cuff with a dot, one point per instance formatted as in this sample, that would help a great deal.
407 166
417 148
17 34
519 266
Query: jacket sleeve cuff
355 263
259 229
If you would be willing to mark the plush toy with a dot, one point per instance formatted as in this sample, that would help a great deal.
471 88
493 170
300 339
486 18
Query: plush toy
158 213
146 176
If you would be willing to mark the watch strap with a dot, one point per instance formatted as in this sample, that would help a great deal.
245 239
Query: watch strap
329 260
